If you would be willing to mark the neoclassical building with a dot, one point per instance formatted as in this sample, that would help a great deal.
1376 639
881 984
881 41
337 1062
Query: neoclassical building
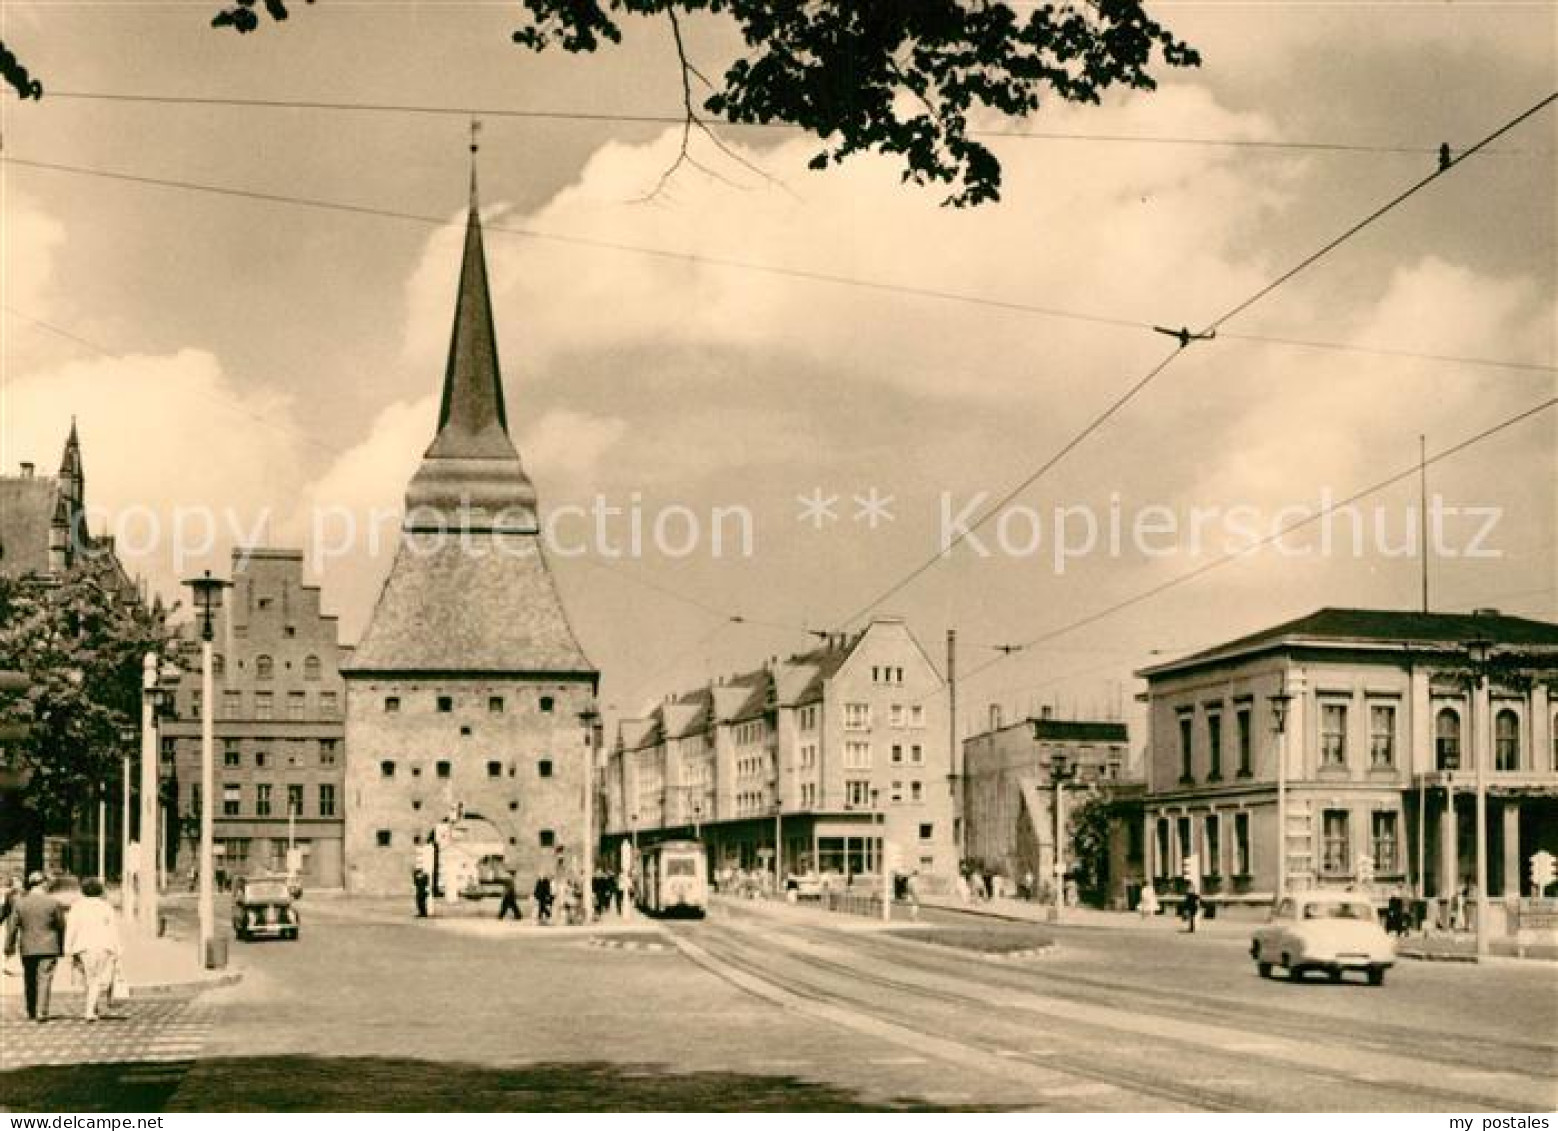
1382 720
468 694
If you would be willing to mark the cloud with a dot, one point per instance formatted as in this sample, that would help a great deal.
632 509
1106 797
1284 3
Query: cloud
180 463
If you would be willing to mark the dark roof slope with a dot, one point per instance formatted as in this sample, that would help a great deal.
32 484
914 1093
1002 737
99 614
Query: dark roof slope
447 609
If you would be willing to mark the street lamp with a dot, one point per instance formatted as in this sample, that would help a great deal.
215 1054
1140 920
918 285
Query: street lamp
1479 649
1061 770
207 592
590 717
1279 718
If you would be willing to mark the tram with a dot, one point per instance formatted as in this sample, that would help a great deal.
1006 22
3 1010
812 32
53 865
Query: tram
673 878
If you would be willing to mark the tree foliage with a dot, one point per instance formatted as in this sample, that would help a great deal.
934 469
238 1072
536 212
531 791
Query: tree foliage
81 644
902 77
1089 827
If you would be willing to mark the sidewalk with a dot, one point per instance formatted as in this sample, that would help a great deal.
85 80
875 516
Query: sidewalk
1024 911
152 968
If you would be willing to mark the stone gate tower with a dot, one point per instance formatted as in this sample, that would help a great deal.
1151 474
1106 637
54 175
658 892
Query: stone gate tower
466 692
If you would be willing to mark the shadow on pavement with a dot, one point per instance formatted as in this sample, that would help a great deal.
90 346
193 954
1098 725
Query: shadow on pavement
305 1083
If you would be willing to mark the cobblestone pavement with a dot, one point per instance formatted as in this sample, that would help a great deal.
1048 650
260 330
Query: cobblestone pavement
151 1031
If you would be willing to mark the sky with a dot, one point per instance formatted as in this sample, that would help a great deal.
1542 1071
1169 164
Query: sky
702 352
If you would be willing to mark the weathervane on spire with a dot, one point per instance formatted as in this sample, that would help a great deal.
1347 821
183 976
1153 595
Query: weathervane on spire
475 130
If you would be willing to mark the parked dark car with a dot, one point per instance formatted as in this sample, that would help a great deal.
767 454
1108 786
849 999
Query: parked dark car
264 907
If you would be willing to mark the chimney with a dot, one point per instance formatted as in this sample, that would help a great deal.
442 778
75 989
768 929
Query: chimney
995 716
27 469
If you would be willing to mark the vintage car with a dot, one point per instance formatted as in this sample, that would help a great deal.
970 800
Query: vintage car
1332 931
264 906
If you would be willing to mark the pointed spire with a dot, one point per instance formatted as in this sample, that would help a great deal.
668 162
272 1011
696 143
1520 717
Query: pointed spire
472 467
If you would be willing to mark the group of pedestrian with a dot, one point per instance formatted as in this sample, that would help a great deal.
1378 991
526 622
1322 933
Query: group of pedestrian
40 929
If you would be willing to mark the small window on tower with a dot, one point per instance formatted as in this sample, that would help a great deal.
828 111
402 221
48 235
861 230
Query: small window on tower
548 838
444 769
495 704
546 704
383 838
392 705
387 769
494 769
544 767
445 704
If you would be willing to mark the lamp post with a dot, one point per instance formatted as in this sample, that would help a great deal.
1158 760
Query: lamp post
126 888
1478 650
1061 770
207 594
146 862
590 717
1279 718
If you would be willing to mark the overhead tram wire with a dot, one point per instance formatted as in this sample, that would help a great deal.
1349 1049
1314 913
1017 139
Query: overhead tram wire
1208 331
1276 536
677 119
800 274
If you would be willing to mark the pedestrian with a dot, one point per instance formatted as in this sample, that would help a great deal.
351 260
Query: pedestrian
1396 914
510 897
543 898
421 883
1027 885
1191 909
13 892
621 892
36 929
1148 905
92 942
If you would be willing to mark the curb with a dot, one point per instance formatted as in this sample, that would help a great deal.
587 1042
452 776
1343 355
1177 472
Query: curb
179 989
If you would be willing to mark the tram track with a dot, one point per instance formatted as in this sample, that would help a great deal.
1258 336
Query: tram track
1467 1051
759 961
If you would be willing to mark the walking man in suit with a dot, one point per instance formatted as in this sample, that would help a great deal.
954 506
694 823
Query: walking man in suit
36 927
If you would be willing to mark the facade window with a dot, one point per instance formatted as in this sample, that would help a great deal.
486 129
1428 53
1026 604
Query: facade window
1384 842
169 749
857 716
295 800
857 755
1241 723
262 800
548 838
547 703
392 704
1241 844
326 799
445 704
897 754
264 667
297 704
1333 734
494 769
1164 851
927 832
544 767
1337 850
1212 840
232 704
232 800
895 715
386 769
897 794
916 792
196 707
916 715
1184 843
235 851
329 704
1186 747
194 799
443 769
1382 736
857 794
218 664
1447 740
260 758
495 704
1214 745
264 705
382 837
1506 741
917 755
312 668
230 754
327 748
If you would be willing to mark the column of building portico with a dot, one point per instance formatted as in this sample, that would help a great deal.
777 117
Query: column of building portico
1449 846
1510 813
1420 761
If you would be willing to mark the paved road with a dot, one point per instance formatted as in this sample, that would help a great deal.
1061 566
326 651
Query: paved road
746 1011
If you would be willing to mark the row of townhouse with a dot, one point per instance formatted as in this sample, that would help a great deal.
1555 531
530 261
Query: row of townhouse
828 761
